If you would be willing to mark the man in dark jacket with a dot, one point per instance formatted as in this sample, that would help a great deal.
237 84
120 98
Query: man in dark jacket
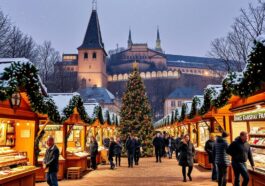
209 149
171 146
137 153
112 147
130 147
158 144
221 158
241 152
93 147
51 162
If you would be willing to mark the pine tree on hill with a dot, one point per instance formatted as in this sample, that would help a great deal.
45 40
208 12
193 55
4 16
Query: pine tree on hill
136 113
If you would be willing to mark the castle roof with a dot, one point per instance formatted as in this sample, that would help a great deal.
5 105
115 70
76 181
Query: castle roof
194 62
101 95
184 93
93 39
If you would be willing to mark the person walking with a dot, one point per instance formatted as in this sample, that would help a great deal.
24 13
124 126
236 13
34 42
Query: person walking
117 152
93 148
130 147
240 151
171 146
137 153
51 162
221 157
158 144
177 143
209 149
112 147
187 152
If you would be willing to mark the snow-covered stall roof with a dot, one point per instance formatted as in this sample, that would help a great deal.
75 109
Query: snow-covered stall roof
7 62
90 108
62 100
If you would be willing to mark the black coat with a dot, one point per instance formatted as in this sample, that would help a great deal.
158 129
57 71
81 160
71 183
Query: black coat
209 149
51 159
186 155
240 151
130 145
118 148
112 147
219 151
172 143
93 149
158 142
177 143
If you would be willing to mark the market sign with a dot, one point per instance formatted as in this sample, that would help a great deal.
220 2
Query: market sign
248 116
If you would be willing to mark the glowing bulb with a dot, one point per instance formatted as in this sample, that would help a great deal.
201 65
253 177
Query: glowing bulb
258 107
27 124
18 124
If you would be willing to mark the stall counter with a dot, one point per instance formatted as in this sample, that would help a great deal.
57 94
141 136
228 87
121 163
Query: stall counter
202 158
22 176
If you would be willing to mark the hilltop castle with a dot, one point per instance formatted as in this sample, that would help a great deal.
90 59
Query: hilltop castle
94 68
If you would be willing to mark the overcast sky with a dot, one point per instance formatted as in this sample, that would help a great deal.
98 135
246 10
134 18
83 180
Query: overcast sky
186 26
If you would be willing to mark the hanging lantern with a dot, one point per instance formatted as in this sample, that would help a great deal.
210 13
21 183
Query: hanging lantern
15 100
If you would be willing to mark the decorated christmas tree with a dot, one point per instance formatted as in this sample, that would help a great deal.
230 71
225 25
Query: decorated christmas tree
136 113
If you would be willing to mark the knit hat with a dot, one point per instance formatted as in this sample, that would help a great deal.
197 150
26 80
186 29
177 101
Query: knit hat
225 134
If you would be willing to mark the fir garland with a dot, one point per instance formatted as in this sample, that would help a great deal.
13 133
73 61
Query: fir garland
193 110
183 112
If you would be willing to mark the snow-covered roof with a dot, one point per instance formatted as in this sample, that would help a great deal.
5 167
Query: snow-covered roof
201 101
188 106
6 63
90 107
216 90
62 100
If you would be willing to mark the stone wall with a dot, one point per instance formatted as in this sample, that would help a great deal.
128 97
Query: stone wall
146 75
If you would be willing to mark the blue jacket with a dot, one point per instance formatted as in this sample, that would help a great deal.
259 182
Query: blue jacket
219 151
51 159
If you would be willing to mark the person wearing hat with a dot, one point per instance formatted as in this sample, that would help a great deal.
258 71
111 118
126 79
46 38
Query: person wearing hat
209 149
221 157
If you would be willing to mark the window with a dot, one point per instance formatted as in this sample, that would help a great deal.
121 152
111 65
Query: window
89 80
83 83
89 66
173 103
179 103
94 55
85 55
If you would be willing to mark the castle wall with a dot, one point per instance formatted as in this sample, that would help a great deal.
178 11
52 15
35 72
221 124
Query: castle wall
146 75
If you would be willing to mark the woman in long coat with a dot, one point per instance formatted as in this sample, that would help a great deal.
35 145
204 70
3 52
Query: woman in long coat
186 156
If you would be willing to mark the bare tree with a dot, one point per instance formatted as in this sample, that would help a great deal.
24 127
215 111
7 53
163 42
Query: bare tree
5 26
234 48
47 57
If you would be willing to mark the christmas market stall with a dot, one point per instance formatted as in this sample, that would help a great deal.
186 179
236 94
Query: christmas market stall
249 115
23 104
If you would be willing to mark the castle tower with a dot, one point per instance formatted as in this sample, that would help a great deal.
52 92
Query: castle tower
130 39
92 55
158 42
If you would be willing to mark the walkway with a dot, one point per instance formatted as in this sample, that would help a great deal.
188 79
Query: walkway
148 173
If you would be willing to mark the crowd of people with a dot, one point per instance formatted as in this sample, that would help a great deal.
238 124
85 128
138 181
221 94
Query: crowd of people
165 145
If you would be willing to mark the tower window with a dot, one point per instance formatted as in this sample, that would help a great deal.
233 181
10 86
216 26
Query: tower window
85 55
94 55
83 83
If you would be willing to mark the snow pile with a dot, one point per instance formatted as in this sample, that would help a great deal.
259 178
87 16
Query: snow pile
215 90
261 39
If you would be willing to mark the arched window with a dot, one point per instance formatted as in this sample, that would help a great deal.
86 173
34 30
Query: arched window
85 55
83 83
94 55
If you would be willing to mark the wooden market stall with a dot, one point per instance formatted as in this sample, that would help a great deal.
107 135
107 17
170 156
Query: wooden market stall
19 124
249 115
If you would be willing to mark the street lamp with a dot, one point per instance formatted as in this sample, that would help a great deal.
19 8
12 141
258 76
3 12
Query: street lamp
15 100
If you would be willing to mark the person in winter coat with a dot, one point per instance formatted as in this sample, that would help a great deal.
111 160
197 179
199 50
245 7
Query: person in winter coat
209 149
158 144
221 158
186 156
137 153
171 146
177 143
93 147
111 152
130 147
117 152
240 151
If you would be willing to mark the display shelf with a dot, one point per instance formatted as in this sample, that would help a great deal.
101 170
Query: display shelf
258 146
257 135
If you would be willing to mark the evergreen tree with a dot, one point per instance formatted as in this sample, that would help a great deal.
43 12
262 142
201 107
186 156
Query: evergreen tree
136 113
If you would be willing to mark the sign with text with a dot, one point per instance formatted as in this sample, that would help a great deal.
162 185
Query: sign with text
249 116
